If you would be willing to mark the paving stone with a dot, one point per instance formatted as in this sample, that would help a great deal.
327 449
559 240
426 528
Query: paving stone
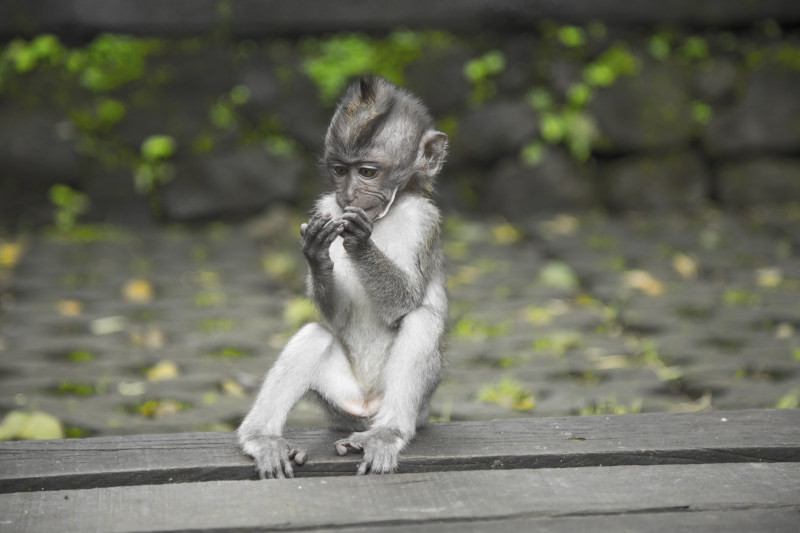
724 336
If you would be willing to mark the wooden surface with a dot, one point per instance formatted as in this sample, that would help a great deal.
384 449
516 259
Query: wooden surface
474 500
712 471
718 437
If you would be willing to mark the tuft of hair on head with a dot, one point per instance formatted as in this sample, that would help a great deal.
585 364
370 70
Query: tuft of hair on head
367 88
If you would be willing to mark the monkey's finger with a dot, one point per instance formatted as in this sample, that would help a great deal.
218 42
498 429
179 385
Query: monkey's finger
344 445
303 228
298 456
324 238
285 463
356 225
360 215
316 223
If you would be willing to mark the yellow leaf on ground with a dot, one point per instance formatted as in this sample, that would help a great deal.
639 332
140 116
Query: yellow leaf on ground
150 337
643 281
232 387
162 370
685 265
137 290
769 278
69 307
10 253
505 233
34 425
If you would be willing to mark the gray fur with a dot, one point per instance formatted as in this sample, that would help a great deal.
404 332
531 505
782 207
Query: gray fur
376 273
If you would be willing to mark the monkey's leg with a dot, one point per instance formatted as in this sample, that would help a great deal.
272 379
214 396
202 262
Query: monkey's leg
311 359
411 374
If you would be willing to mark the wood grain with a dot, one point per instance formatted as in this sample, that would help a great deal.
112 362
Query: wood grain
619 498
643 439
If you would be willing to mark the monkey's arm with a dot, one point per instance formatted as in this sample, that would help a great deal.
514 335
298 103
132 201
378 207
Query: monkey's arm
317 236
396 291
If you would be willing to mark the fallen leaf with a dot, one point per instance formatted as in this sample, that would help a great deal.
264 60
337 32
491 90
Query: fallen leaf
137 290
69 307
685 265
505 233
643 281
232 387
10 253
769 278
34 425
108 324
162 370
151 338
559 226
558 274
132 388
784 330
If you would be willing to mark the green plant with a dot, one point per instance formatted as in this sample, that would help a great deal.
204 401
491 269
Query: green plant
612 63
568 123
481 71
228 352
78 389
507 393
152 168
332 61
467 328
571 36
158 408
558 342
69 204
610 406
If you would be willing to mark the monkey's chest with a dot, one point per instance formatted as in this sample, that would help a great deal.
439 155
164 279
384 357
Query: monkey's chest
366 338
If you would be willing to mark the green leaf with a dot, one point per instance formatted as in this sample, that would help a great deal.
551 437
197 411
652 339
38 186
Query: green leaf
110 111
558 274
532 154
158 147
240 94
571 36
553 128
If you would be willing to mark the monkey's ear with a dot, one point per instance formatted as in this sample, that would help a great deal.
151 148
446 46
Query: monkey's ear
432 150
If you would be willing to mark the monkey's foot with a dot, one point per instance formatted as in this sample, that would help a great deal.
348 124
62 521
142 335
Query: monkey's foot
274 456
381 447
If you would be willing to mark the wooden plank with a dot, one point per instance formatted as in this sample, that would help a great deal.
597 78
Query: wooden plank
375 502
736 436
774 521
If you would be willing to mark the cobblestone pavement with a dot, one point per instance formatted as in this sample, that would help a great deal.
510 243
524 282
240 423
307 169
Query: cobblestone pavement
113 331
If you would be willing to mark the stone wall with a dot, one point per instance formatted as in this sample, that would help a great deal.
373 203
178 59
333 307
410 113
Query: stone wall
549 105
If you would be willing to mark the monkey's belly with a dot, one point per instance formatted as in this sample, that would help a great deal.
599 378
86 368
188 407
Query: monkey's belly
362 408
367 344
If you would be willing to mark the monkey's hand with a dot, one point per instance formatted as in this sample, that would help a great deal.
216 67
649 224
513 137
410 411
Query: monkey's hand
357 229
380 445
317 236
273 455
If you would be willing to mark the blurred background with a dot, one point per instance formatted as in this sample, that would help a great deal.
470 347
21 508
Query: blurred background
621 201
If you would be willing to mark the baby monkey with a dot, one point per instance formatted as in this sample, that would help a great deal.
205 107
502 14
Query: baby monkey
376 274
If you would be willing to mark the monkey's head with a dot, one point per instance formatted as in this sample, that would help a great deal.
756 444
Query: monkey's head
381 141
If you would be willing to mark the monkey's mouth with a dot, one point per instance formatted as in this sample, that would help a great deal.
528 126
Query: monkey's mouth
375 207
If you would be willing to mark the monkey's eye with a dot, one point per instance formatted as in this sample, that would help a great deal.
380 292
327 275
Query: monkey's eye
340 170
367 172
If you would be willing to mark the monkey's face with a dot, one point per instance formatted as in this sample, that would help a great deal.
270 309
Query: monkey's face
364 185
